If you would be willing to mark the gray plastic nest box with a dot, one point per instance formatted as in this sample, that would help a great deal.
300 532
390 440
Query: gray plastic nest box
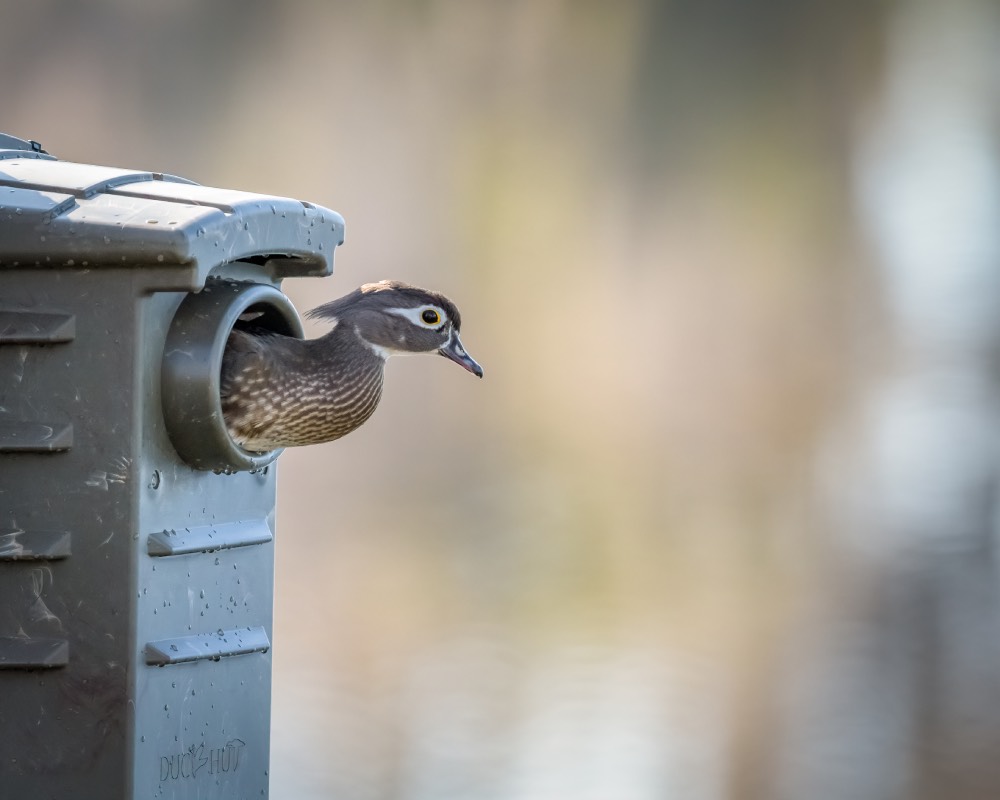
136 538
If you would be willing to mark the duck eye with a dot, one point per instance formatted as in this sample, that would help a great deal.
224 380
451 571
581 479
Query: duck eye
431 317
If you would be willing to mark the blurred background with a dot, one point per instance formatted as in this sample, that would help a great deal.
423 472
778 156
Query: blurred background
721 520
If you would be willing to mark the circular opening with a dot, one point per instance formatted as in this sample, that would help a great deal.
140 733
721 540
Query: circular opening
192 363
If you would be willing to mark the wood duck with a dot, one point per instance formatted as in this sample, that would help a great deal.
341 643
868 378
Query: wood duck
278 391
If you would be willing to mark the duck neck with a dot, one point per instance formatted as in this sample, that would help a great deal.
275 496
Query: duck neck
352 355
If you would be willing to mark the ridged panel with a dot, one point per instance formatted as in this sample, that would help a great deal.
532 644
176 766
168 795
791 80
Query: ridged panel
36 327
81 180
20 545
207 538
35 437
18 652
207 646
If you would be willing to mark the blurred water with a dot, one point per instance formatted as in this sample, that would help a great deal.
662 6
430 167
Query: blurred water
474 719
895 703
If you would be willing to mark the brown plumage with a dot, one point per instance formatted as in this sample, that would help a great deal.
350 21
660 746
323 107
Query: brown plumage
278 391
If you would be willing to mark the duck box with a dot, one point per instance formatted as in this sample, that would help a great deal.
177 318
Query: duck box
136 538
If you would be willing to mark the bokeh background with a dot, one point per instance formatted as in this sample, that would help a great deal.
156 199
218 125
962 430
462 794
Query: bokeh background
721 520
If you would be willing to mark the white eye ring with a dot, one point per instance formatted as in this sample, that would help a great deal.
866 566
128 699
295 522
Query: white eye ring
416 316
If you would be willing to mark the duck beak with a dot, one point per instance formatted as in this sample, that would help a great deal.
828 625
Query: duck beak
454 350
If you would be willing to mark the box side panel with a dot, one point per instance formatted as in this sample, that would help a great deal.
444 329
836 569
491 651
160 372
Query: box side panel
204 563
67 518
